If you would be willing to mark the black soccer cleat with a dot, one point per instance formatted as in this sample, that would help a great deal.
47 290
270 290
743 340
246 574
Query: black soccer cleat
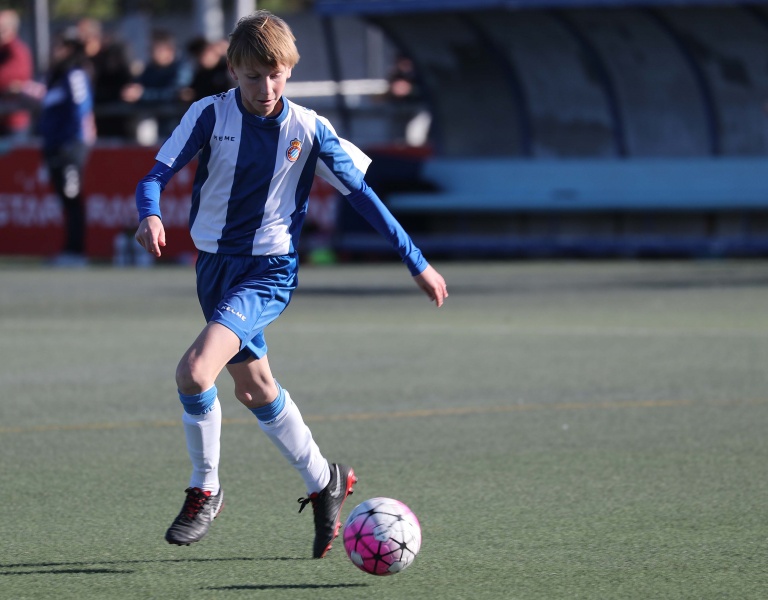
326 506
199 510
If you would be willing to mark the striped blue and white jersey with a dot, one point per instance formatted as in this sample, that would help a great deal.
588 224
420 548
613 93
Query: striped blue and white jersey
254 176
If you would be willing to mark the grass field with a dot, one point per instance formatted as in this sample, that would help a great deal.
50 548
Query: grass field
562 430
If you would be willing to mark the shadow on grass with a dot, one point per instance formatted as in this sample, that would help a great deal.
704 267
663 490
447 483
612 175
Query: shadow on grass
92 567
68 572
289 586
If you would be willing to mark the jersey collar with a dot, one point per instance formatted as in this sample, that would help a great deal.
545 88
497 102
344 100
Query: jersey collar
262 121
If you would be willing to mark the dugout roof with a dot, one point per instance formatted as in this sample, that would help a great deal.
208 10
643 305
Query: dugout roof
663 79
405 6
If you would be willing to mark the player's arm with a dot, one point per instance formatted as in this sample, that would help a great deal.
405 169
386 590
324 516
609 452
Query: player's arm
372 209
183 145
151 233
80 91
343 165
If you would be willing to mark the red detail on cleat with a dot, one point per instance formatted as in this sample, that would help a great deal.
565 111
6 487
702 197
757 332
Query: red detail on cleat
195 502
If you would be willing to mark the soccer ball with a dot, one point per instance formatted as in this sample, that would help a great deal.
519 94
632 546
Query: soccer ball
382 536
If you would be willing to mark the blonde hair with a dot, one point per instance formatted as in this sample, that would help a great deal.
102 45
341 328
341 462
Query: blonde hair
262 38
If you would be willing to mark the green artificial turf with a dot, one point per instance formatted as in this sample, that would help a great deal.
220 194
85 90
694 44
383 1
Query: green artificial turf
562 431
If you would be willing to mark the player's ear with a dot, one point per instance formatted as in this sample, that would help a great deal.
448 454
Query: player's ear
288 72
232 73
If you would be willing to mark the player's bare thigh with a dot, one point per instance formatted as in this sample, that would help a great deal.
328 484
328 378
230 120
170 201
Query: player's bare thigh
254 384
205 358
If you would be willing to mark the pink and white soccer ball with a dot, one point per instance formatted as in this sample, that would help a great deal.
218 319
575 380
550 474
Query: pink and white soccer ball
382 536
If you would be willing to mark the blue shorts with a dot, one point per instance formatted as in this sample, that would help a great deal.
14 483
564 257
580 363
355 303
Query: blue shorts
245 294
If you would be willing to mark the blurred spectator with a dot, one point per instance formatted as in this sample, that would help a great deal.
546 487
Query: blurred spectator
111 72
402 79
157 88
68 131
211 75
16 72
411 122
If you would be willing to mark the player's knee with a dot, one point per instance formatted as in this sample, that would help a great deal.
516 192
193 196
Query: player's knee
254 394
190 378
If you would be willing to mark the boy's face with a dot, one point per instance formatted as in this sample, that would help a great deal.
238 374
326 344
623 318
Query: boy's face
163 53
261 87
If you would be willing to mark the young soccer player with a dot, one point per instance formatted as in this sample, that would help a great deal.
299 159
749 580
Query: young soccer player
258 154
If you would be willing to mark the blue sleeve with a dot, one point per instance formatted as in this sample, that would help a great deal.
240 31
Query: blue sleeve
149 189
82 96
340 162
372 209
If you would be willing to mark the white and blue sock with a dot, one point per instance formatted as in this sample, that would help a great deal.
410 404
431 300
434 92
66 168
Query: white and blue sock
282 422
202 427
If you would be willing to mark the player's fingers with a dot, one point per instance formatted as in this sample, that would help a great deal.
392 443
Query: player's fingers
441 292
433 285
435 294
439 297
428 290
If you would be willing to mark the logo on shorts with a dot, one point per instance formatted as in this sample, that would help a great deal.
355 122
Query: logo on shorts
229 309
294 151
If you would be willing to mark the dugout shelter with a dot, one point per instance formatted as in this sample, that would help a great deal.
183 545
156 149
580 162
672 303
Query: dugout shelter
596 127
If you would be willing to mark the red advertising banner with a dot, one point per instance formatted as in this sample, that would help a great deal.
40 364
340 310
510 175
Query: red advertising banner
32 222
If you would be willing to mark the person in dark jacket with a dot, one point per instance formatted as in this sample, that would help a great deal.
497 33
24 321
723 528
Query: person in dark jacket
211 75
157 88
110 71
68 131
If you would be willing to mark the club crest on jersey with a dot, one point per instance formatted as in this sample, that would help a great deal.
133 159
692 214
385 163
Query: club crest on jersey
294 151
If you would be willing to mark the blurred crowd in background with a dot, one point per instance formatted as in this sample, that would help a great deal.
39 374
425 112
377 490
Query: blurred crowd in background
137 100
93 89
130 100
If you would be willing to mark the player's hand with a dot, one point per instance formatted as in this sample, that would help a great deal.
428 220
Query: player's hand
433 285
151 234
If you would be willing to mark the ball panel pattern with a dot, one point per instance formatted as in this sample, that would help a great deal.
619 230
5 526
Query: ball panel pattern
382 536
